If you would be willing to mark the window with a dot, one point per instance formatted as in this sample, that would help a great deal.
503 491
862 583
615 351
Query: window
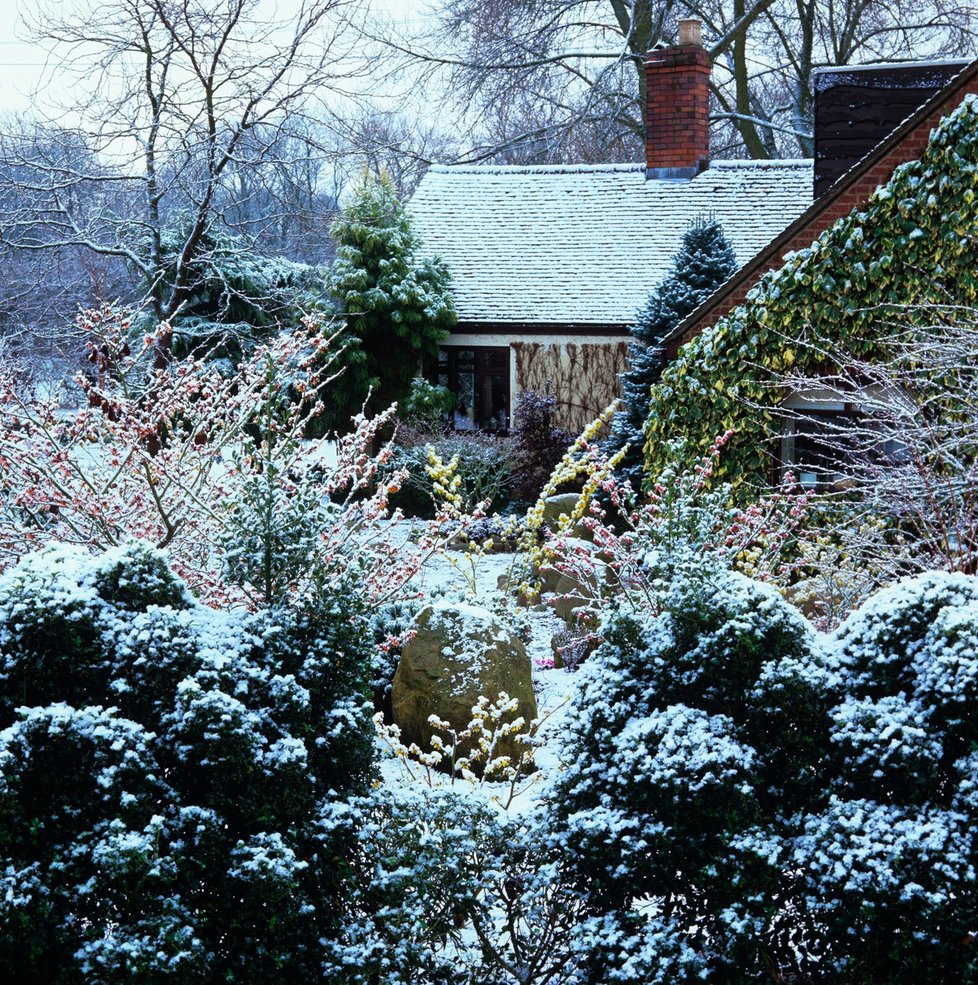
829 437
479 378
813 446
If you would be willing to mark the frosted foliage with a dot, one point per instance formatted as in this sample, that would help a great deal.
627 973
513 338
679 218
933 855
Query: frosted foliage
120 769
946 664
726 627
966 796
267 860
162 765
166 950
886 746
682 753
883 862
878 642
415 868
633 950
779 792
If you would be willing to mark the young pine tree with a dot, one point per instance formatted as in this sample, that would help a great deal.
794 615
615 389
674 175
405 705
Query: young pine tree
704 261
396 302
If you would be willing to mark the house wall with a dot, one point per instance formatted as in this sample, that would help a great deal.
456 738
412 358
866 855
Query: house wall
582 369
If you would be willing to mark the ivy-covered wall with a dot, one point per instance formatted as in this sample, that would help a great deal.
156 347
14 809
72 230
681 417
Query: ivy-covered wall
914 242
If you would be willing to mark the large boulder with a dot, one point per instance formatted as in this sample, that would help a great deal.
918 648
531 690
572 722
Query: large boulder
560 508
459 653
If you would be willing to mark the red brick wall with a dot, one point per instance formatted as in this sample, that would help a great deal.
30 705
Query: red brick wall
909 148
678 115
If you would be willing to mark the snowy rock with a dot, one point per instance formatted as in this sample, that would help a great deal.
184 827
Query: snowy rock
554 507
458 654
569 596
563 506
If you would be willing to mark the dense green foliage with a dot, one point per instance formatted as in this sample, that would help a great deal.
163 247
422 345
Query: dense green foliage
395 302
165 770
913 244
704 261
801 804
235 295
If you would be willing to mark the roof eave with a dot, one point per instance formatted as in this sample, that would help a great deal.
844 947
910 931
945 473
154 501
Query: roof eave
489 326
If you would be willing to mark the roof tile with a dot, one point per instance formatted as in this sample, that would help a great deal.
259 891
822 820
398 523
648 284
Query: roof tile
579 244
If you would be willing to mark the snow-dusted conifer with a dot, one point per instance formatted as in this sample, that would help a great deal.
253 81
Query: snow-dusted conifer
802 804
704 261
395 301
162 769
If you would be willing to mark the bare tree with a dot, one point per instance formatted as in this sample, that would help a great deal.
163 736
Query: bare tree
897 435
578 64
181 99
559 63
284 198
42 290
769 90
399 144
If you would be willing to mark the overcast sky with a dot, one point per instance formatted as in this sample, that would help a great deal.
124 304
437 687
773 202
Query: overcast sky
23 68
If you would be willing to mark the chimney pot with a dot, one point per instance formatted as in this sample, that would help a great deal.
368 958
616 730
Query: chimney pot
690 31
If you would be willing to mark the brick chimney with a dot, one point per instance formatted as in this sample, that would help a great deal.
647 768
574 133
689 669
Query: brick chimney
677 144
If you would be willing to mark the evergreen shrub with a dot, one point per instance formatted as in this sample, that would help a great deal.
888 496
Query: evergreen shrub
396 302
801 804
163 769
704 261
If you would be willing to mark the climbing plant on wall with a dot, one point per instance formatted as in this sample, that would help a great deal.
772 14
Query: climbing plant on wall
914 244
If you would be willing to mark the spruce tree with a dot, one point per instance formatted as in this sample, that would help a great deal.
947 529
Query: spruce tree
704 261
396 302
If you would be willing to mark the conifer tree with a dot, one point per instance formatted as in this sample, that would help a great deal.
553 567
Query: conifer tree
235 296
396 302
704 261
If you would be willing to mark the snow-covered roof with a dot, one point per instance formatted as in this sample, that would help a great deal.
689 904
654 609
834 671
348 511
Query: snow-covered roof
584 245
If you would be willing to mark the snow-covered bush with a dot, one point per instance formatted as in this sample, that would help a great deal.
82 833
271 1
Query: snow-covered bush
162 766
885 748
891 890
661 775
628 949
447 889
723 628
798 804
878 643
787 722
946 671
390 625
